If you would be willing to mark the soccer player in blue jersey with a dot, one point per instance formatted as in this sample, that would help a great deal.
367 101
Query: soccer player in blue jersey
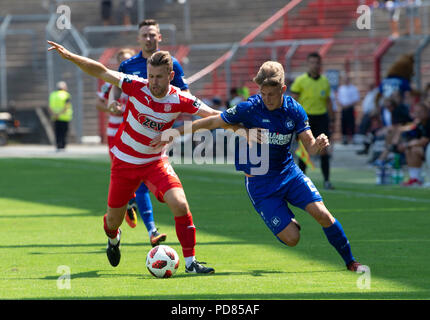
148 38
283 183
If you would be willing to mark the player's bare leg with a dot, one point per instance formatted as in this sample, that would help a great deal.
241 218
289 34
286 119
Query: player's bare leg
112 221
115 217
320 213
291 234
185 230
334 233
176 200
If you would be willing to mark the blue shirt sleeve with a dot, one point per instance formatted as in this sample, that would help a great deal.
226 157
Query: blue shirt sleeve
236 114
300 117
179 79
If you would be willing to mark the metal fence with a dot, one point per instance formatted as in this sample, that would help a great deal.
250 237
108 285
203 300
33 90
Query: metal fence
7 30
236 69
405 13
243 61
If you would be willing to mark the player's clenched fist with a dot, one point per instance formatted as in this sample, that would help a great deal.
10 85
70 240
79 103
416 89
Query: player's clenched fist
322 141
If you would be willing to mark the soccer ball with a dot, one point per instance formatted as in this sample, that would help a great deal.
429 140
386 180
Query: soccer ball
162 261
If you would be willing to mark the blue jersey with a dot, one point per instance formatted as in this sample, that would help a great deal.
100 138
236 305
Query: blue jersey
137 65
391 85
281 123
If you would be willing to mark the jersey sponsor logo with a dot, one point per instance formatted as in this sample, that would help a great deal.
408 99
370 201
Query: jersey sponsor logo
323 93
266 120
278 138
146 121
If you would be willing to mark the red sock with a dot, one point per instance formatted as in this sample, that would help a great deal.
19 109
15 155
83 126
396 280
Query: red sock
186 233
110 233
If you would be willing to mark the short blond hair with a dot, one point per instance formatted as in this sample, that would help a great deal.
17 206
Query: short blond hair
271 73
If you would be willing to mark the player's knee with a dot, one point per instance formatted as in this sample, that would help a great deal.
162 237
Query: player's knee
325 220
292 242
320 213
290 235
180 207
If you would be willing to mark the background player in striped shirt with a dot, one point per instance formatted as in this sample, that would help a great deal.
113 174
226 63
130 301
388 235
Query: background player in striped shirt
115 114
152 108
114 122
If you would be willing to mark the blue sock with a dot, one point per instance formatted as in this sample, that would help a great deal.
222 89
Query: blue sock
337 238
144 204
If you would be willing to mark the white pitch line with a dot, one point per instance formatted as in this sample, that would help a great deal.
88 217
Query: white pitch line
382 196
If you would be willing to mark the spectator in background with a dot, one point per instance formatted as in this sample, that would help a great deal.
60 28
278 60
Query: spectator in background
426 94
217 104
394 115
394 10
414 144
126 9
106 12
235 97
412 11
368 108
61 111
244 92
398 80
348 96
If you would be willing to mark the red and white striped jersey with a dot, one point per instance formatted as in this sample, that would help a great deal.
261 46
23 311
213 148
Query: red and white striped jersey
114 120
146 117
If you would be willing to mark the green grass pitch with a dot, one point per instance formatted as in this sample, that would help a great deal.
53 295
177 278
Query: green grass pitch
51 216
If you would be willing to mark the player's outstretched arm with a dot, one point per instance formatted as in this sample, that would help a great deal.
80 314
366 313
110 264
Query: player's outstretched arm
208 123
92 67
206 111
313 146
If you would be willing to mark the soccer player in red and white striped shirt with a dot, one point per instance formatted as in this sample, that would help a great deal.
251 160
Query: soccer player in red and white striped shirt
153 106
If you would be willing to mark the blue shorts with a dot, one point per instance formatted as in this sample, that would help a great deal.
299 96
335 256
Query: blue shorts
271 195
